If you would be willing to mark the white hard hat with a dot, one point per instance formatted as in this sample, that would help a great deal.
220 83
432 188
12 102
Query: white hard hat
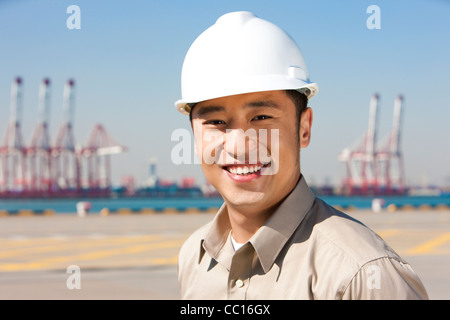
242 53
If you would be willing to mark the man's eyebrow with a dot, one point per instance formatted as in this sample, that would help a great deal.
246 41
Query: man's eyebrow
201 111
262 103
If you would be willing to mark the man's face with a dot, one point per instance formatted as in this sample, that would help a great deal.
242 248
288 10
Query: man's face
250 148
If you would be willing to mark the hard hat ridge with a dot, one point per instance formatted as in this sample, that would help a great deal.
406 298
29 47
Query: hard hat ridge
235 19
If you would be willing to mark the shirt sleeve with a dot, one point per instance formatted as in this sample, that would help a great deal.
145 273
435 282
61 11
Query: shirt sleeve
385 279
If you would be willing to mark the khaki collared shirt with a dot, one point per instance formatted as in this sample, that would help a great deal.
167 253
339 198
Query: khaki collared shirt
306 250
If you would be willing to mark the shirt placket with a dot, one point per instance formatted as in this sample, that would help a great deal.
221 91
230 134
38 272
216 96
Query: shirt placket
240 272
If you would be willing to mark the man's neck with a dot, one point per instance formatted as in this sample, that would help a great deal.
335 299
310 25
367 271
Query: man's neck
245 223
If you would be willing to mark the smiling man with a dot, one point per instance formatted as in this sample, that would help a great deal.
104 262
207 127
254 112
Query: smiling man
251 189
246 88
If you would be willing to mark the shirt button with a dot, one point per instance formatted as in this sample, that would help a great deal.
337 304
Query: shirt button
239 283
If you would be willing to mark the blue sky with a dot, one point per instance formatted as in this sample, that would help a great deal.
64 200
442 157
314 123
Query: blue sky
126 60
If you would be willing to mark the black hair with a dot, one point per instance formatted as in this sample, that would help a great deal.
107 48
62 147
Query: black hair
299 99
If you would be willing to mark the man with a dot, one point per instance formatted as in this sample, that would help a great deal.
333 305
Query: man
245 87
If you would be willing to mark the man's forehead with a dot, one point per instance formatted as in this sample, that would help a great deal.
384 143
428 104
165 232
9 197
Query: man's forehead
266 99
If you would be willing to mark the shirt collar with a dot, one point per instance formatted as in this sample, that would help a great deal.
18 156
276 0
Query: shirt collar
271 237
216 242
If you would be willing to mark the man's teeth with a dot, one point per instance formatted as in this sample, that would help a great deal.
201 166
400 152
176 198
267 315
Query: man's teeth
244 170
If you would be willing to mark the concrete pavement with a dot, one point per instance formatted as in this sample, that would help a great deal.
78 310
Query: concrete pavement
134 256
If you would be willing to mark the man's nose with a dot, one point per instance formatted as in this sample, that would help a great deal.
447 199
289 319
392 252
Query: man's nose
241 145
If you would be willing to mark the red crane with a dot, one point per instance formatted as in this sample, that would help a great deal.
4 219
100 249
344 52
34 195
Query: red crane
360 158
96 157
12 150
65 160
372 170
43 170
389 156
39 153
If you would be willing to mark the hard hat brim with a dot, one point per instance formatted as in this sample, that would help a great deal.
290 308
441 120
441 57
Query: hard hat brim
182 105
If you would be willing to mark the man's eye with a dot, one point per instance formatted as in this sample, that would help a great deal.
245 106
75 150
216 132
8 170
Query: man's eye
214 122
262 117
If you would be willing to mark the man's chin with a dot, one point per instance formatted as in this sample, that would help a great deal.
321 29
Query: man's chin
244 199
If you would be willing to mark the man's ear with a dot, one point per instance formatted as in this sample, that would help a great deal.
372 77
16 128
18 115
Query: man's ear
305 127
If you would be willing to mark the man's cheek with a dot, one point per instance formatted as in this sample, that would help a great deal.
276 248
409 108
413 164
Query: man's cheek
269 151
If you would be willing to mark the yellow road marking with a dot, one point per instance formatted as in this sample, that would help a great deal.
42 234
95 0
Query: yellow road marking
32 242
164 261
74 259
388 233
70 243
430 245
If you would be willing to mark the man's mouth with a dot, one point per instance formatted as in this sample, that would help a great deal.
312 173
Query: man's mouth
245 169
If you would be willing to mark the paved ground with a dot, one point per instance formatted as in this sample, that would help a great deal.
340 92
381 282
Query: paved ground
134 256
